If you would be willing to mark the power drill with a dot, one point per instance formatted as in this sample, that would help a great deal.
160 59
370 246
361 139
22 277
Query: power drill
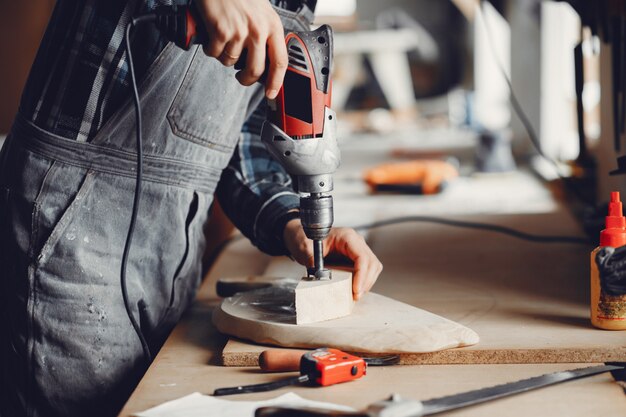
300 130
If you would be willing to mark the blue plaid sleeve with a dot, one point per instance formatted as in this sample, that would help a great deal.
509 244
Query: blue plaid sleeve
256 192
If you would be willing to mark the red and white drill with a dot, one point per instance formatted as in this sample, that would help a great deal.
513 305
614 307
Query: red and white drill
300 131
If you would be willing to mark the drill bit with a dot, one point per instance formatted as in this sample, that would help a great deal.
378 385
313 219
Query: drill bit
318 254
316 210
317 271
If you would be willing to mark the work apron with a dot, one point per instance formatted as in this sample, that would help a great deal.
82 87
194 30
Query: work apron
68 348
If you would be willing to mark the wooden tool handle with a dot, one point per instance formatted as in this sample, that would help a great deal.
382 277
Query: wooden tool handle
281 360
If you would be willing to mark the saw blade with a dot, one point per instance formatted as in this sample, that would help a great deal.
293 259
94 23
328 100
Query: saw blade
464 399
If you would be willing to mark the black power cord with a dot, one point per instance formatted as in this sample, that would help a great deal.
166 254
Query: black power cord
137 197
477 226
173 22
488 227
263 387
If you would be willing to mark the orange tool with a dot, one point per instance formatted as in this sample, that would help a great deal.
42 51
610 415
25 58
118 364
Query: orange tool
423 176
321 367
281 360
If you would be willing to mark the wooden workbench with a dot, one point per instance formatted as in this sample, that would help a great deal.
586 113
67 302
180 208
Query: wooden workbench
514 294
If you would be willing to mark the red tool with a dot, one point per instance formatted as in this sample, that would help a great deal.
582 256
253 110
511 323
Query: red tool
320 367
300 132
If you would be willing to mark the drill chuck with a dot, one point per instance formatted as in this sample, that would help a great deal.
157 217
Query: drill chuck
316 215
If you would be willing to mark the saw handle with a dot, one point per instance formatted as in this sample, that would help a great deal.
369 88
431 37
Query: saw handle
281 360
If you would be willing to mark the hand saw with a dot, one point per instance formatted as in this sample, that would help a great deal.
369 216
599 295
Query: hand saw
399 407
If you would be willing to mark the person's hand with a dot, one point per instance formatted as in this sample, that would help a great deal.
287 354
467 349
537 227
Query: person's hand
235 25
342 241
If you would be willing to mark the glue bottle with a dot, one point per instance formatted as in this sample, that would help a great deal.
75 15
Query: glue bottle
613 235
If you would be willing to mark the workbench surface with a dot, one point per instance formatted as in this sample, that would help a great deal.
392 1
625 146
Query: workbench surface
516 295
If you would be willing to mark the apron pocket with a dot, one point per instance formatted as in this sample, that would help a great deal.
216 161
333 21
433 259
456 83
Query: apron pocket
209 106
192 214
72 206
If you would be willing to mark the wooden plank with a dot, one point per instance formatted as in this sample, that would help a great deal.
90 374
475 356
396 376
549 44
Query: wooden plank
238 352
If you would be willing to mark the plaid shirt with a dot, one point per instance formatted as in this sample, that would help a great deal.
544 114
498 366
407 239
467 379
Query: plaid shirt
83 47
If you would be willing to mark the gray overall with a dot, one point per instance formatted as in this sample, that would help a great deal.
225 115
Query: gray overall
68 348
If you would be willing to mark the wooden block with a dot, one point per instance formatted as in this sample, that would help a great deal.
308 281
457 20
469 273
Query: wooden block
324 300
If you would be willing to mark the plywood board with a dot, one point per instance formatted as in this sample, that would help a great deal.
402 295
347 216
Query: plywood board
377 324
238 352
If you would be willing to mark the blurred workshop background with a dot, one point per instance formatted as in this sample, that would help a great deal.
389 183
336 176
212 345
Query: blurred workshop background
489 88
